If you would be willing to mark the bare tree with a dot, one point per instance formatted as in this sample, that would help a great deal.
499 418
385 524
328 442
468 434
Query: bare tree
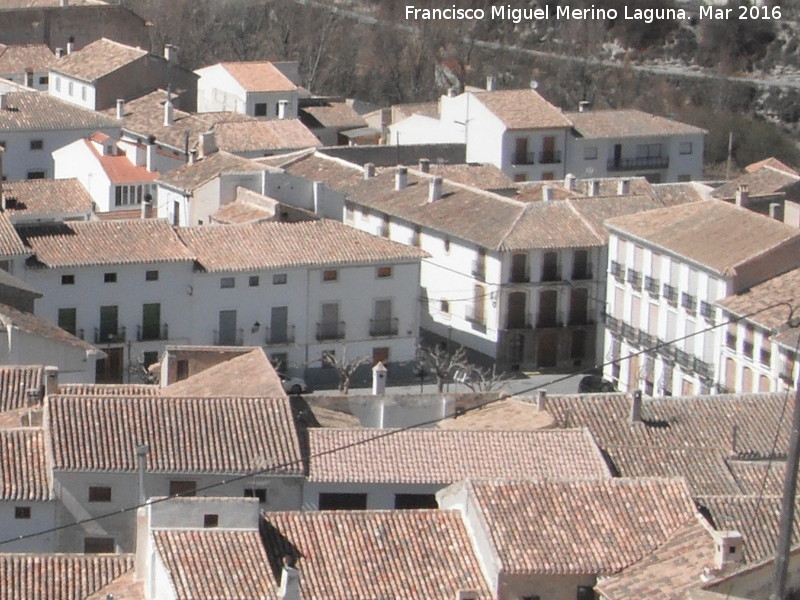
485 380
344 367
455 366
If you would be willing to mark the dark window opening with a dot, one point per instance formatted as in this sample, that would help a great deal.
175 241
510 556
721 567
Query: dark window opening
99 494
184 489
342 501
414 501
22 512
98 545
260 493
210 520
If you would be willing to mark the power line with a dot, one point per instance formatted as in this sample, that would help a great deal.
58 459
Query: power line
386 433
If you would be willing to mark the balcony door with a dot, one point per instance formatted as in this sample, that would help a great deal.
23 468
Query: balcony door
517 307
151 321
227 328
279 324
108 322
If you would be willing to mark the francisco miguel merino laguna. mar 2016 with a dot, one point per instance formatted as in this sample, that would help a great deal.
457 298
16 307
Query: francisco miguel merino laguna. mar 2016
592 13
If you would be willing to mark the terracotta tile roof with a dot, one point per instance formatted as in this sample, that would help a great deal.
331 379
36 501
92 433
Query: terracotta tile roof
755 477
755 517
336 174
59 576
14 385
442 457
627 123
17 4
533 191
522 109
770 162
120 169
370 555
596 210
36 111
107 389
191 176
782 288
97 59
249 374
673 194
766 181
277 245
10 242
24 472
20 58
219 564
714 234
585 527
264 136
669 572
120 215
242 212
484 177
78 244
338 115
403 111
259 76
551 225
187 435
9 281
503 415
46 197
39 327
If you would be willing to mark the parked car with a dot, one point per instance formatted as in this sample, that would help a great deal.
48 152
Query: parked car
592 384
293 385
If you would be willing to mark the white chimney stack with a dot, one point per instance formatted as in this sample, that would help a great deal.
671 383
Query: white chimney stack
594 187
3 101
171 53
283 106
742 195
192 156
490 83
208 144
150 161
541 400
728 547
168 111
120 108
583 106
623 187
51 381
63 3
369 170
290 583
636 407
316 196
569 182
435 189
70 45
424 165
547 193
59 52
400 178
775 211
378 379
145 209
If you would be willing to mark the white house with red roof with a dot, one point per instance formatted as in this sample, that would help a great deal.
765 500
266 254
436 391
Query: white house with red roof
257 89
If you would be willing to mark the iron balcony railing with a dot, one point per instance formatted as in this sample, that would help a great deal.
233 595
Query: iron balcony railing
106 336
383 327
550 157
229 338
479 269
645 162
152 332
279 336
330 330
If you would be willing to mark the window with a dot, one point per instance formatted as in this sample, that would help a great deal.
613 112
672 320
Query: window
210 520
183 488
685 147
83 92
227 282
58 84
444 306
342 502
181 369
44 80
330 275
380 354
22 512
447 245
585 592
520 177
279 279
648 151
260 493
383 272
253 281
68 280
67 319
414 501
151 322
70 88
590 153
109 278
151 276
98 545
99 494
260 109
37 144
36 174
684 177
149 358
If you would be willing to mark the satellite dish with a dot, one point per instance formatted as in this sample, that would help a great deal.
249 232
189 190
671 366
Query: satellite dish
534 84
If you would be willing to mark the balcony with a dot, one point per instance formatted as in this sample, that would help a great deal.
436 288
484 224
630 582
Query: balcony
330 330
582 272
580 318
707 311
747 349
703 369
629 333
765 357
616 270
667 351
632 164
549 319
229 338
518 322
646 340
520 277
549 157
383 327
670 294
103 336
730 340
551 274
684 359
147 333
612 324
279 337
689 302
652 286
523 158
634 278
479 269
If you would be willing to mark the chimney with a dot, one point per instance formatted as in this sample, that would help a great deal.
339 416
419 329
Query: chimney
378 379
264 181
424 165
146 207
583 106
290 582
369 170
636 407
490 83
466 595
435 189
29 77
208 143
141 563
400 178
452 92
594 187
70 44
547 193
63 3
168 111
142 450
192 156
59 53
734 440
742 196
316 196
171 53
541 400
775 211
728 547
50 381
120 108
283 106
623 187
569 182
151 154
3 101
